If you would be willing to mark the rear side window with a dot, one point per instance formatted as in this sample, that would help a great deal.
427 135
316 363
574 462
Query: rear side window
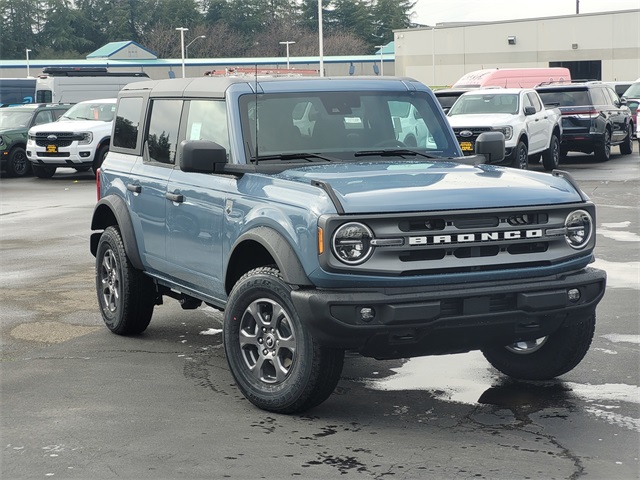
163 130
127 122
599 97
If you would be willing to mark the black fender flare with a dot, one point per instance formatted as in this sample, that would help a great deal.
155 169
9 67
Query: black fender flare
280 250
112 210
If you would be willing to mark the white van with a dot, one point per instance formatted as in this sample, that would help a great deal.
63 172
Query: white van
77 84
513 77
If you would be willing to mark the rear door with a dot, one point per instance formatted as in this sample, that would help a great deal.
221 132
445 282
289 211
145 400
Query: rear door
147 189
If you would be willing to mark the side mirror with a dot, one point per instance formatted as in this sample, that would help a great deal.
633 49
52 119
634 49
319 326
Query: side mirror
201 156
529 110
491 146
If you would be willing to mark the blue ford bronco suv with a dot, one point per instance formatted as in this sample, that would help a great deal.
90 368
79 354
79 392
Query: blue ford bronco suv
292 205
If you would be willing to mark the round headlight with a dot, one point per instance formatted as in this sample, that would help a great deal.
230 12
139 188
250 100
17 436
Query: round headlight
351 243
579 228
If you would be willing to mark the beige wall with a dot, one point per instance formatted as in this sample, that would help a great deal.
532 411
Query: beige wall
441 55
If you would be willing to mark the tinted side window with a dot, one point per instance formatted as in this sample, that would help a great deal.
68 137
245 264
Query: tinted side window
44 96
163 130
535 101
613 96
207 120
127 122
43 117
598 97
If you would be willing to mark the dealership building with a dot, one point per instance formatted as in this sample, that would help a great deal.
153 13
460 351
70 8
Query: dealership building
598 46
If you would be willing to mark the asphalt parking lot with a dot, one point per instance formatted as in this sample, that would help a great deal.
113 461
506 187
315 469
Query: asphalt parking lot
78 402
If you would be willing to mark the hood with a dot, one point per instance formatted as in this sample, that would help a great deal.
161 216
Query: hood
408 186
482 120
72 126
10 130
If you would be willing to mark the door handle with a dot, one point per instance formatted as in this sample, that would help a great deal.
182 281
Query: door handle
134 188
174 197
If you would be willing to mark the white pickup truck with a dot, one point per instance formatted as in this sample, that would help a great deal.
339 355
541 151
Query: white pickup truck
530 129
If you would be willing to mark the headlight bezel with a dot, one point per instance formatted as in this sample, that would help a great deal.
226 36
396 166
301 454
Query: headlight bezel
507 131
340 243
578 221
87 138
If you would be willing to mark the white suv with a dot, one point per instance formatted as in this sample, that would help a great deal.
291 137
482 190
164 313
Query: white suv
78 139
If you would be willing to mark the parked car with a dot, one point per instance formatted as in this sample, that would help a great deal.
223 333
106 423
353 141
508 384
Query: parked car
632 96
15 122
529 128
594 118
448 96
79 139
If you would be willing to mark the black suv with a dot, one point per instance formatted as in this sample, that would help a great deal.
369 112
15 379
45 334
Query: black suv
15 122
594 118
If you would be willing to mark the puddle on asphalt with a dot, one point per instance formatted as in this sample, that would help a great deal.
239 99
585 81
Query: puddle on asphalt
466 378
614 232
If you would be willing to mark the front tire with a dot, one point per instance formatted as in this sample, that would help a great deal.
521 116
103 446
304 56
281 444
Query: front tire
521 159
126 295
18 164
42 171
551 156
99 158
272 356
626 147
546 357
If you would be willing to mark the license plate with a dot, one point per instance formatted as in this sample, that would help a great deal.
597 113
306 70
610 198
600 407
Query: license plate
466 146
52 149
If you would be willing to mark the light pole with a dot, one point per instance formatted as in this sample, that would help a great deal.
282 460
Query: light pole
381 64
182 30
186 49
28 50
320 45
287 44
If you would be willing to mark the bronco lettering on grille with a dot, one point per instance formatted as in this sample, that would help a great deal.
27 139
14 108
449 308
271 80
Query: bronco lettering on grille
475 237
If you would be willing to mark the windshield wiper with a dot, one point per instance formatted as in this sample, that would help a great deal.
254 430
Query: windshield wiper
296 156
394 152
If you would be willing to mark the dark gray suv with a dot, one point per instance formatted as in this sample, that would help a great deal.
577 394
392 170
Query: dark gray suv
594 118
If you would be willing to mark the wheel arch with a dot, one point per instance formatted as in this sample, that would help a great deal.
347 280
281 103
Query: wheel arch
110 211
264 246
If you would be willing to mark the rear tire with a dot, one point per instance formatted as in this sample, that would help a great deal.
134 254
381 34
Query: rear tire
551 156
546 358
42 171
277 364
18 164
626 147
126 295
603 151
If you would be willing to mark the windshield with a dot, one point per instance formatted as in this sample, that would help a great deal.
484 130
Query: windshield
103 112
633 91
340 124
478 103
14 118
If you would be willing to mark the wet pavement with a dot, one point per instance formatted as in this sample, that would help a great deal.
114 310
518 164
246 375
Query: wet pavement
78 402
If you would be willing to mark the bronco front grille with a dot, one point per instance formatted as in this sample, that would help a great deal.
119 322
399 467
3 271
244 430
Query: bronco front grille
461 241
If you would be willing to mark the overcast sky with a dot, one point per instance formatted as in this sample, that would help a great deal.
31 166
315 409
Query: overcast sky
429 12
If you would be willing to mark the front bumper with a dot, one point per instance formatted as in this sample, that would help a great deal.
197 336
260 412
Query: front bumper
74 155
421 321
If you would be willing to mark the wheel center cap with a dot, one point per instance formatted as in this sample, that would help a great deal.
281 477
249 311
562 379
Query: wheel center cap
270 341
